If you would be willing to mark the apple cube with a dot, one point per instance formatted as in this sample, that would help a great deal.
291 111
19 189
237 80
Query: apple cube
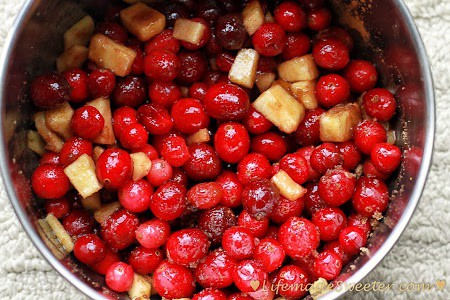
188 31
92 202
53 142
97 152
74 57
304 91
284 84
298 69
106 137
80 33
50 239
109 54
263 81
287 186
102 214
280 108
141 288
60 232
141 165
35 142
142 21
82 175
201 136
337 124
243 70
253 17
58 120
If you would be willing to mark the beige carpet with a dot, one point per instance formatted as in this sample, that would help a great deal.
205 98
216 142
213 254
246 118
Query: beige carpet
421 255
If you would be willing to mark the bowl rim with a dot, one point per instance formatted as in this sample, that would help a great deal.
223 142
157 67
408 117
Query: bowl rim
27 12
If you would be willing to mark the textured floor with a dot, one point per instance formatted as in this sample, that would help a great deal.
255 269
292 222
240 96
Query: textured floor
421 255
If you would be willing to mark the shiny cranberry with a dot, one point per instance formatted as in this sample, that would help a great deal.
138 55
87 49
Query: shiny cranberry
118 230
213 47
78 81
248 272
179 176
224 61
326 157
122 117
198 90
168 202
119 277
89 249
257 227
330 222
59 207
370 171
296 166
270 254
308 132
232 189
51 158
226 102
306 152
173 281
336 186
238 242
138 65
230 31
379 103
101 83
335 33
270 39
299 237
255 122
351 239
210 294
135 195
215 221
205 195
331 90
129 91
313 201
174 11
175 151
102 266
189 116
73 148
267 64
153 233
162 65
87 122
231 142
336 248
215 270
163 41
367 134
114 31
295 279
285 208
187 246
160 172
253 165
210 10
193 67
371 196
361 75
291 16
79 222
50 182
205 37
155 118
270 144
144 261
350 153
149 150
259 197
164 93
133 136
360 221
386 157
319 19
49 91
114 168
298 44
203 164
331 54
327 265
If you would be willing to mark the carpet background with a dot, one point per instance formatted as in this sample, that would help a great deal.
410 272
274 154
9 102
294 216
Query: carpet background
421 254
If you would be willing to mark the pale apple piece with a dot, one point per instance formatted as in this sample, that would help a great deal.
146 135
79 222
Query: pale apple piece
268 18
319 288
102 214
106 137
58 120
92 202
263 81
141 165
141 288
337 124
80 33
53 142
280 108
253 17
143 21
287 186
201 136
74 57
284 84
82 175
35 142
364 115
391 136
109 54
60 232
304 91
298 69
50 239
243 70
188 31
97 152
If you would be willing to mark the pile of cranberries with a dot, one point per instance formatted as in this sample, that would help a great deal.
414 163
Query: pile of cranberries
207 222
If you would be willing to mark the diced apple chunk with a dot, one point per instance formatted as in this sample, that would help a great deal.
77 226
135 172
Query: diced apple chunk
188 31
109 54
142 21
74 57
280 108
97 152
82 175
298 69
106 137
53 142
35 142
337 124
284 84
253 17
201 136
243 70
60 232
80 33
50 239
102 214
59 119
92 202
287 186
263 81
141 165
140 289
304 91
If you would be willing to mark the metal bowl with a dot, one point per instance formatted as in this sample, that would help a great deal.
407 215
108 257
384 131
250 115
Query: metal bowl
385 33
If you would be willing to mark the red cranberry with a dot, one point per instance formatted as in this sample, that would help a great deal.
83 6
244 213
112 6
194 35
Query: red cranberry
272 232
299 237
319 19
160 172
371 196
224 61
226 102
133 136
114 168
336 248
187 246
175 151
73 148
122 117
335 33
89 249
144 261
179 176
298 44
295 279
385 157
51 158
327 265
163 41
174 11
259 198
267 64
370 171
114 31
87 122
351 239
330 222
78 81
232 189
313 201
232 142
193 67
198 90
285 208
155 118
79 222
129 91
240 296
306 152
138 65
205 195
336 186
253 165
168 202
270 39
361 75
215 270
101 83
213 47
102 266
270 144
360 221
230 31
205 37
368 134
215 221
59 207
255 122
203 164
162 65
119 277
210 294
248 272
290 16
257 227
350 153
153 234
50 182
164 93
149 150
270 254
331 54
308 132
49 91
326 157
238 242
135 195
379 103
331 90
210 10
173 281
189 116
118 230
296 166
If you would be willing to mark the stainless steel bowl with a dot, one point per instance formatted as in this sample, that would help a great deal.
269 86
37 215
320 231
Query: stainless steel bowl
385 33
